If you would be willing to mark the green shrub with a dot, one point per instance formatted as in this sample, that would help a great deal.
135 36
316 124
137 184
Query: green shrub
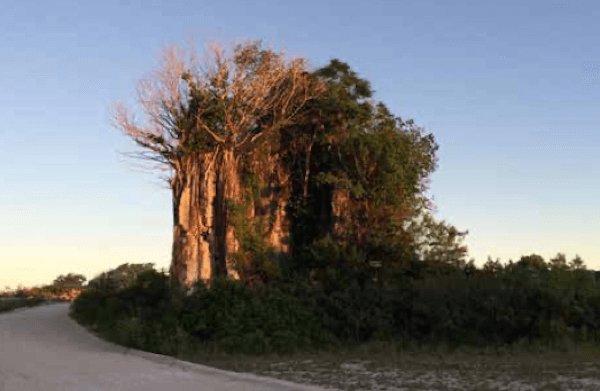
233 317
141 315
428 304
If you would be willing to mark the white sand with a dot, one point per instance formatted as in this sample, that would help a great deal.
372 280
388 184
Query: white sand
43 349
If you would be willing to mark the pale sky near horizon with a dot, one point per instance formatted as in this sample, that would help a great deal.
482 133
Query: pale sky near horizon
510 89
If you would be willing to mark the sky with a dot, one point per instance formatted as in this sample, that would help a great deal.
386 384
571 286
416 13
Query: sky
510 89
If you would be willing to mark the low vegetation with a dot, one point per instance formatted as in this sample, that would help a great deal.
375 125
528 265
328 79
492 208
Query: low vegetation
531 302
13 303
63 288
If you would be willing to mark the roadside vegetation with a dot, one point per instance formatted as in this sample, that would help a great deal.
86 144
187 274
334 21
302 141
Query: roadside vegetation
63 288
525 325
12 303
529 303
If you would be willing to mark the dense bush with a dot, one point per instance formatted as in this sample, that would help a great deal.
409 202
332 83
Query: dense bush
233 317
496 305
141 315
230 316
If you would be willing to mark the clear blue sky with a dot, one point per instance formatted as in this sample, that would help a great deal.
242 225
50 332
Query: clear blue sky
511 90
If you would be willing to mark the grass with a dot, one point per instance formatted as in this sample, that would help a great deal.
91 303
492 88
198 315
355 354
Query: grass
12 303
388 369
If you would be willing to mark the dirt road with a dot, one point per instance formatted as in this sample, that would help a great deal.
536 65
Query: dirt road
43 349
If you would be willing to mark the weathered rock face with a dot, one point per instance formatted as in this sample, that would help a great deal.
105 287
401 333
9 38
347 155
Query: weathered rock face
341 213
204 238
228 194
278 233
214 192
193 215
270 207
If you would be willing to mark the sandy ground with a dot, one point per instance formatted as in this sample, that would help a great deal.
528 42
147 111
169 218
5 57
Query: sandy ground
43 349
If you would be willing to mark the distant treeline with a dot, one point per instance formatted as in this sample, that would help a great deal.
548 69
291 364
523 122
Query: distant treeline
64 287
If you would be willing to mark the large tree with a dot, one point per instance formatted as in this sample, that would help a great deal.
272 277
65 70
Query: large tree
202 120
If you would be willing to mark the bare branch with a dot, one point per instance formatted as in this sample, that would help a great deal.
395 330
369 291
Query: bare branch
237 96
214 136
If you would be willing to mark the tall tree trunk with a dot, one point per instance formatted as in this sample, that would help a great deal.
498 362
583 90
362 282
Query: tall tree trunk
269 211
228 195
279 224
341 214
278 234
193 208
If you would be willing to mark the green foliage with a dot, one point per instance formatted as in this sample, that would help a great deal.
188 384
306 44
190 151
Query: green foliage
233 317
437 240
124 276
229 317
256 262
359 177
426 303
139 314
